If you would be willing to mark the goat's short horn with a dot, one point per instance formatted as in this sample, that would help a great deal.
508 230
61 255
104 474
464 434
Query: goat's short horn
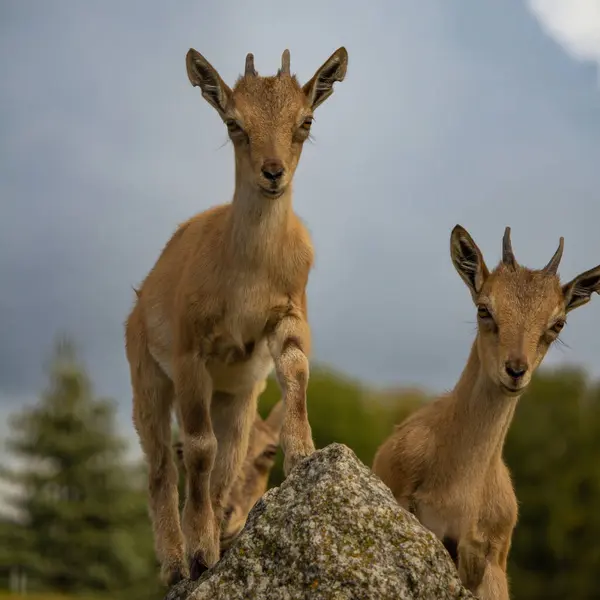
508 258
250 71
552 267
285 63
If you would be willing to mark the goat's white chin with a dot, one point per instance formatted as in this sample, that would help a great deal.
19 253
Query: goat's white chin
512 391
272 194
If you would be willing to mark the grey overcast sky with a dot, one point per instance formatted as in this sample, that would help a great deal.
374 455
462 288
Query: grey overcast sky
481 113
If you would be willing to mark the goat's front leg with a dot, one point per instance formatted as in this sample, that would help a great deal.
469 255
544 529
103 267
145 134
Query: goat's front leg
289 345
473 551
494 584
193 390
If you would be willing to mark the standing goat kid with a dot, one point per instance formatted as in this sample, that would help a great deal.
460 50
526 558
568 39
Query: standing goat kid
444 462
224 303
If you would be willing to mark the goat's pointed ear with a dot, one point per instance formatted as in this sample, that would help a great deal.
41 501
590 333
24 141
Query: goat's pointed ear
320 87
579 290
202 74
468 260
275 418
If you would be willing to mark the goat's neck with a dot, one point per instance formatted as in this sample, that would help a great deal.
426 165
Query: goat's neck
258 224
481 416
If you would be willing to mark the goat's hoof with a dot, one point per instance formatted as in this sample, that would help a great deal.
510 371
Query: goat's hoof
175 577
293 458
197 566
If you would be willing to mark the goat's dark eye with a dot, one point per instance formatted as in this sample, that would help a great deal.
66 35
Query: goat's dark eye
233 126
483 312
270 452
307 123
558 326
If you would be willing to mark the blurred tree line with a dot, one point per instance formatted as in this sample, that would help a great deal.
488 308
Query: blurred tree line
80 524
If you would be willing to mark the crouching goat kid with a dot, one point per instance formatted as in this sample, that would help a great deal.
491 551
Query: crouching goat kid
223 305
444 462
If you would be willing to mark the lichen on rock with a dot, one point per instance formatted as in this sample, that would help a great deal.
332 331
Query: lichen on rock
331 531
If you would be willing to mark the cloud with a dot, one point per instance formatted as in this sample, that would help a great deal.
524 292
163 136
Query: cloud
574 24
105 147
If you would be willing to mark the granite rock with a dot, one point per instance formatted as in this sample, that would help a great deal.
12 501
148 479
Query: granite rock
331 531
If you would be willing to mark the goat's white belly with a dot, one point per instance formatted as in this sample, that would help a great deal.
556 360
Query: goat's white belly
241 377
236 378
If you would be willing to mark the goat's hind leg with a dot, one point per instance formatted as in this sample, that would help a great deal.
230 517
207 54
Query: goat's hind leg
152 403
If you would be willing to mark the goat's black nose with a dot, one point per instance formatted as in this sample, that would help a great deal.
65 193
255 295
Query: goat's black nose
516 368
272 169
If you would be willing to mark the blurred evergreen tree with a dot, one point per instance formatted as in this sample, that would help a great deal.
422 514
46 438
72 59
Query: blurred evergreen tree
83 525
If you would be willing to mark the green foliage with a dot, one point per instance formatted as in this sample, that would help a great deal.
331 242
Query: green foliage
82 525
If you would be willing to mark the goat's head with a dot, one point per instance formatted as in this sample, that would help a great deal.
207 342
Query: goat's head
520 311
268 118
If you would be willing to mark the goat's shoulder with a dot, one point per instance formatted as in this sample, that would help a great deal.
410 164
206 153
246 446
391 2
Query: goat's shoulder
300 256
194 240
